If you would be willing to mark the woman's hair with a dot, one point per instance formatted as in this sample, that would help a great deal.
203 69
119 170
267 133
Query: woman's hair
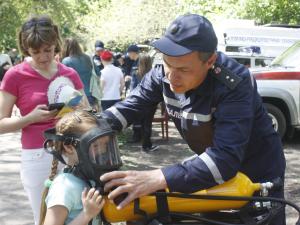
77 122
145 64
36 32
71 47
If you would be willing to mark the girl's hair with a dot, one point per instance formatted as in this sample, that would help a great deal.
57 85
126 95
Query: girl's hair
77 122
38 31
145 64
71 47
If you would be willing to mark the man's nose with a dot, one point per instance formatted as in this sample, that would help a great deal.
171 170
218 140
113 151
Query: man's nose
172 75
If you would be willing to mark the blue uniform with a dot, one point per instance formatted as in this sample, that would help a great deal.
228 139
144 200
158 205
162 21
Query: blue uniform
223 121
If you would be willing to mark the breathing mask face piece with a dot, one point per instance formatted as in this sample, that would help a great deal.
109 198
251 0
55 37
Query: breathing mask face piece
100 153
97 151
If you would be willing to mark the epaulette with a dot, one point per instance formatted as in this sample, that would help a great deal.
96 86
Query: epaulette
226 76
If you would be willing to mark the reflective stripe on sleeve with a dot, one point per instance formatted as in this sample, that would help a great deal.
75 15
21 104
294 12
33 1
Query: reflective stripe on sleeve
171 101
189 158
252 79
118 115
212 167
196 116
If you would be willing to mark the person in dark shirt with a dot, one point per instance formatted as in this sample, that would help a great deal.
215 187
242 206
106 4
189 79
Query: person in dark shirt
99 48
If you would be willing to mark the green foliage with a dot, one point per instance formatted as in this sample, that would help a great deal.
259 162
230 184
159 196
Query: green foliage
122 22
8 23
272 11
14 12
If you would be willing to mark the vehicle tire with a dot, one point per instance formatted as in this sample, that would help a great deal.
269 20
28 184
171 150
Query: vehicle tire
278 118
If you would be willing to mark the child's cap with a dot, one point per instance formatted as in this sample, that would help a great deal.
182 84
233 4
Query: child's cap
61 90
106 55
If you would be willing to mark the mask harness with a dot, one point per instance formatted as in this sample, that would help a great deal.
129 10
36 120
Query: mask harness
97 151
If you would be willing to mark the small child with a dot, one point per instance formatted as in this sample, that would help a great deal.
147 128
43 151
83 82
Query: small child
66 198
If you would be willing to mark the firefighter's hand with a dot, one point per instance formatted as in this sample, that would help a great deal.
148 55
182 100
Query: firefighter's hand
134 183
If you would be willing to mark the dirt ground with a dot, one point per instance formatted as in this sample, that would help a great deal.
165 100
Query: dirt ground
14 206
174 150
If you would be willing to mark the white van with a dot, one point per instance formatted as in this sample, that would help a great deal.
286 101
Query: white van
251 59
234 36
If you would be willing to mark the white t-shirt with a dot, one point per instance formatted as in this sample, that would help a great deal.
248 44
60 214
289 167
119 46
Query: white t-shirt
5 58
112 77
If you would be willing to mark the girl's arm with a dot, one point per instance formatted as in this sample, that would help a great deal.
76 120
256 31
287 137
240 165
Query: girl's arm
102 84
56 215
122 85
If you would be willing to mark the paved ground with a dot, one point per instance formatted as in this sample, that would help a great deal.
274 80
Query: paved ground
14 209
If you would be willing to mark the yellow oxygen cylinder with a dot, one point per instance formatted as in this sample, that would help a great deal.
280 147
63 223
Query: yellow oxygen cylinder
239 186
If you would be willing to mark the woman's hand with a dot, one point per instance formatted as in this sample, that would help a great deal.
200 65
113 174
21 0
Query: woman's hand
92 202
41 113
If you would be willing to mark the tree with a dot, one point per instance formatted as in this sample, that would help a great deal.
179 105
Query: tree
8 23
269 11
122 22
14 12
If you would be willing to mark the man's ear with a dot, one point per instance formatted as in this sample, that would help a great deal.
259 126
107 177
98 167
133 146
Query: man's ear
211 61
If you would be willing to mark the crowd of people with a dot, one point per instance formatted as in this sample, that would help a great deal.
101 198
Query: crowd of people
212 100
24 83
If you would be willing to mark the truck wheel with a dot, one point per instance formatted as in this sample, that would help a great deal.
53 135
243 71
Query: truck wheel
278 119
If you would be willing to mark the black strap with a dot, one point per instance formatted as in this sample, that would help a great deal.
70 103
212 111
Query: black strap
163 212
137 210
246 218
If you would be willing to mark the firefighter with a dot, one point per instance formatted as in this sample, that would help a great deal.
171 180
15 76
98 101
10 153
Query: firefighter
215 106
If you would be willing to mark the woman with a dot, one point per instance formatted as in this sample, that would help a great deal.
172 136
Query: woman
73 56
26 86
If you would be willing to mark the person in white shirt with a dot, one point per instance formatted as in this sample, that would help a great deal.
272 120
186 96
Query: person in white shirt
5 64
111 81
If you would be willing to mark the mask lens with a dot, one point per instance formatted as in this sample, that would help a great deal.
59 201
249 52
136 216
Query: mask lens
104 151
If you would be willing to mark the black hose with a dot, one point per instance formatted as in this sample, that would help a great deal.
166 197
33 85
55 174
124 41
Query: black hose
231 198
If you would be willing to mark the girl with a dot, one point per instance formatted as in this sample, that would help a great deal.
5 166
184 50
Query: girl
61 204
144 66
26 86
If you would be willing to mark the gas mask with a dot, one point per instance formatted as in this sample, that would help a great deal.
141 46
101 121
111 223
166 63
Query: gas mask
97 151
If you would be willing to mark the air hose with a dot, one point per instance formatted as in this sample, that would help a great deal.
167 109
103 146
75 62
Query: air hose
256 199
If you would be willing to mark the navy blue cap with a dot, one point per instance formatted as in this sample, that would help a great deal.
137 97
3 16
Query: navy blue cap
133 48
187 33
99 45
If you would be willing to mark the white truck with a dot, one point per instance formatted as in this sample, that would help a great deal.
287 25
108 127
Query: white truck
254 46
279 87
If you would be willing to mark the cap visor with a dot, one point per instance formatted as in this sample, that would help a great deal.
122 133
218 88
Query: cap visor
168 47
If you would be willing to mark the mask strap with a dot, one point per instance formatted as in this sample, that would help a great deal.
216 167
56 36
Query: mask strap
55 154
51 135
